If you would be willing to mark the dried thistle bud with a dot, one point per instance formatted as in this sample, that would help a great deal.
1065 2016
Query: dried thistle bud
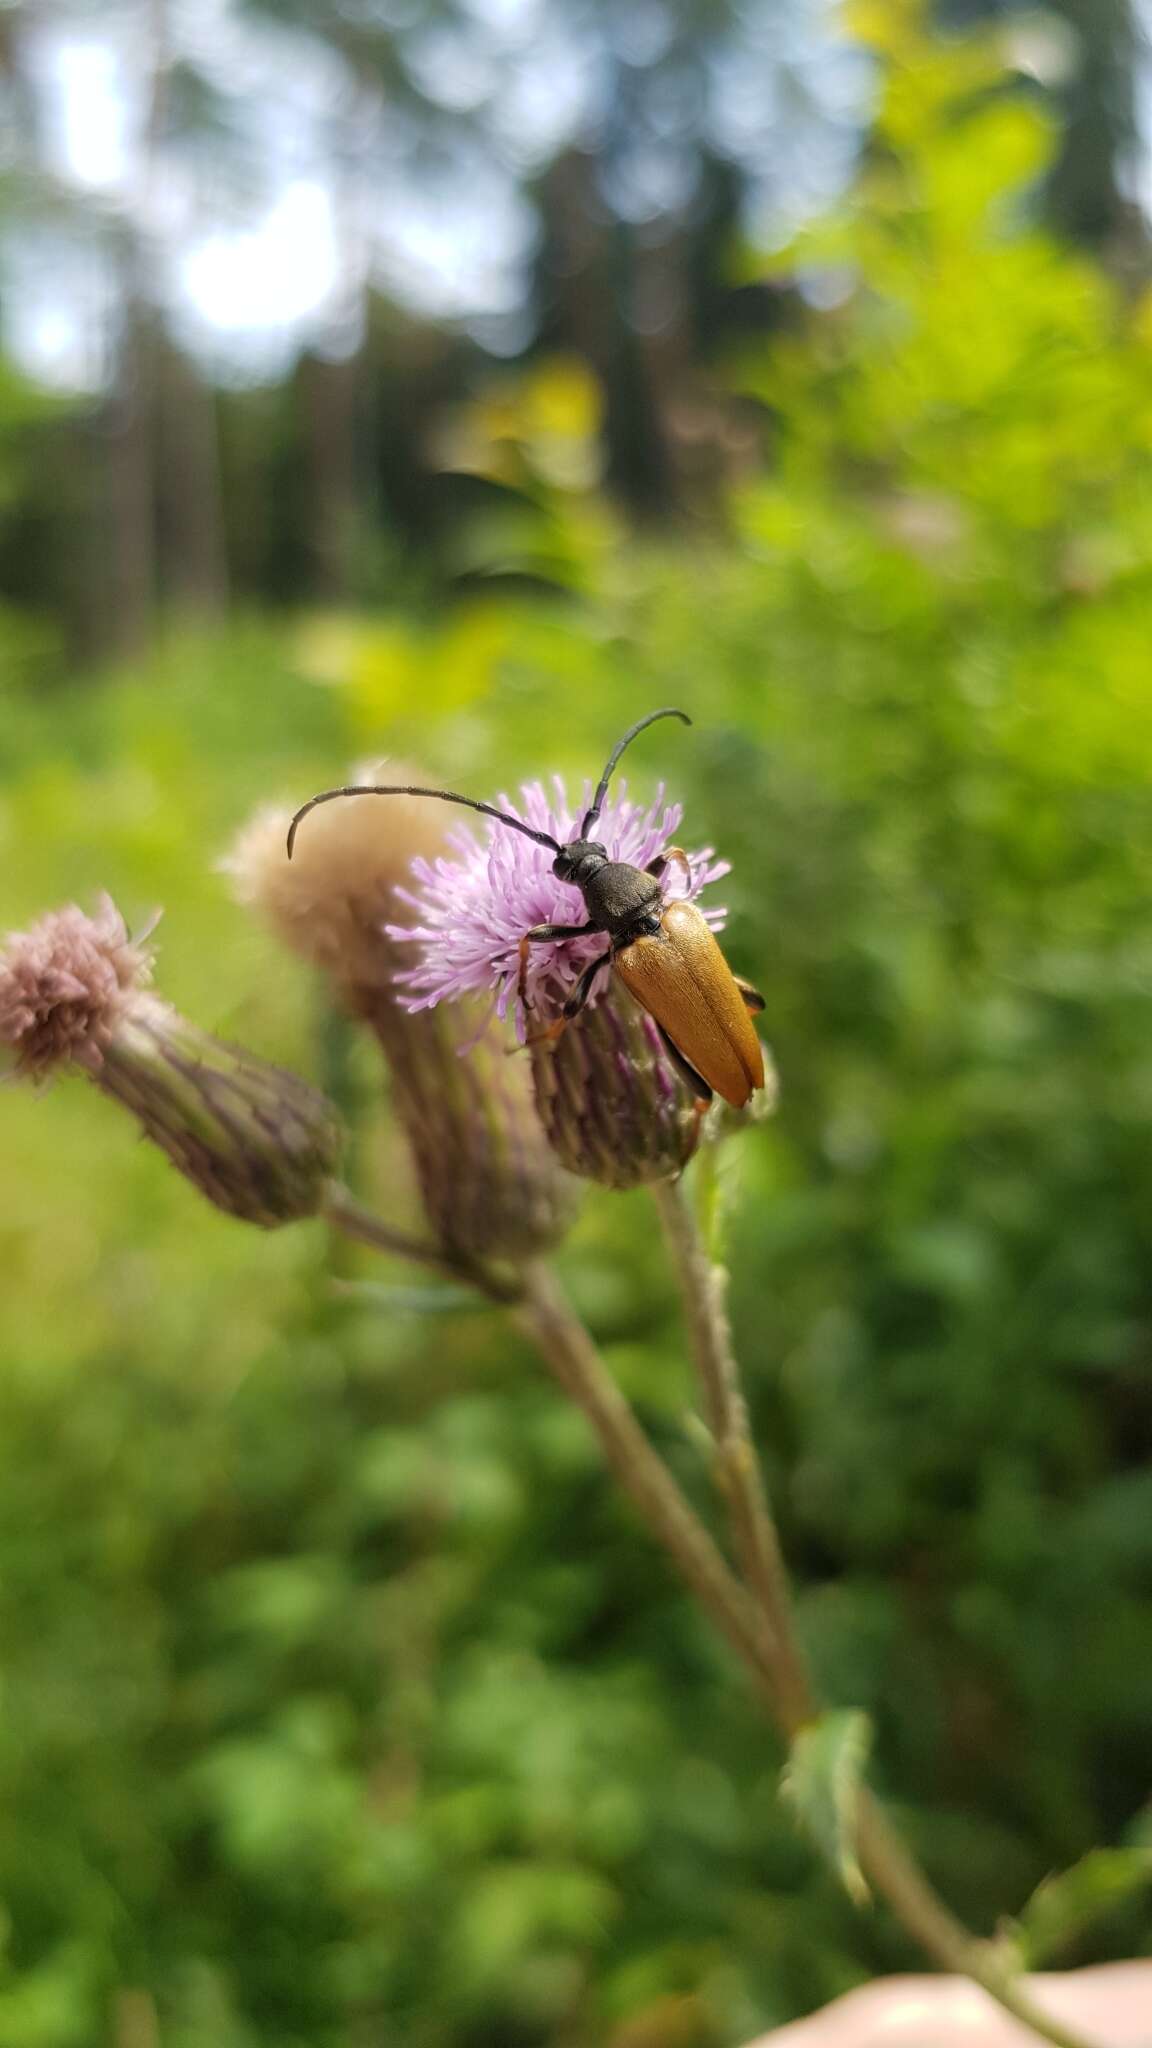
65 987
257 1141
488 1181
613 1104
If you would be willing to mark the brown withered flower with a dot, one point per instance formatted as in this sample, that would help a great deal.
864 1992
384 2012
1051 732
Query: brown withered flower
489 1184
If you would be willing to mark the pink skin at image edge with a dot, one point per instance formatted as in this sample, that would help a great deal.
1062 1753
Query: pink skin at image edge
1112 2004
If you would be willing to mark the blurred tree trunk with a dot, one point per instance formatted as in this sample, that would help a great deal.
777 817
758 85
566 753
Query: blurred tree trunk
639 464
586 279
193 564
336 387
1090 193
651 309
1090 188
127 500
132 438
329 394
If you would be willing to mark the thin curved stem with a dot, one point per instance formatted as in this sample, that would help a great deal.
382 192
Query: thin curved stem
891 1867
899 1879
765 1641
342 1210
704 1289
546 1316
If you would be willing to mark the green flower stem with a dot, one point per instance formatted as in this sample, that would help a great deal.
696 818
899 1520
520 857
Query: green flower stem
341 1209
898 1877
543 1312
704 1288
546 1316
891 1867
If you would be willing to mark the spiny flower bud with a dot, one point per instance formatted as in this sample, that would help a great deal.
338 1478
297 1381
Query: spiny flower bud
614 1106
488 1182
257 1141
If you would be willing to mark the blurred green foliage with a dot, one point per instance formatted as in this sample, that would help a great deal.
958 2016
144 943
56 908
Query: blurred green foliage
341 1703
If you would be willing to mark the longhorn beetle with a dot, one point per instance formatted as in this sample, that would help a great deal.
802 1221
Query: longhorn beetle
664 953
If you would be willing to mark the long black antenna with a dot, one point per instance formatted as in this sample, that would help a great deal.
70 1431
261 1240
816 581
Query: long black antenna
602 786
444 796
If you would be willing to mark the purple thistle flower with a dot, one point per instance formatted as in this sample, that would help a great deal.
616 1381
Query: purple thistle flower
474 907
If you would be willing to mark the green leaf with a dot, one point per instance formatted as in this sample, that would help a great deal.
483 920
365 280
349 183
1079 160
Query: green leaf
1064 1906
822 1781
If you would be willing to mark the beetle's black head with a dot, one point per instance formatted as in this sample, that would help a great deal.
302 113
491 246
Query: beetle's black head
579 861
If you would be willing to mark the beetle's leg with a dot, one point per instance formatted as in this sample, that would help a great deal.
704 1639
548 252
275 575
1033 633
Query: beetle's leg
538 933
694 1082
574 1004
663 862
753 1000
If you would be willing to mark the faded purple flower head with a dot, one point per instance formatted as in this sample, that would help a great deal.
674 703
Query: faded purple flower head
474 906
65 985
74 990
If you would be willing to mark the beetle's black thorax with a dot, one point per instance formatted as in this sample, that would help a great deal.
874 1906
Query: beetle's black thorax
622 900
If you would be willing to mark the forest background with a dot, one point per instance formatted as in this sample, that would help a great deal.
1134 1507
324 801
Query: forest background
460 379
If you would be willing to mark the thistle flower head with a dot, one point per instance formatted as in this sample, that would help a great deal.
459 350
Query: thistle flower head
65 986
257 1141
612 1102
473 905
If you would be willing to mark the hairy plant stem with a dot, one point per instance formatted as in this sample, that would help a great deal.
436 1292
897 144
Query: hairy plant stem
547 1318
891 1867
704 1289
756 1620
